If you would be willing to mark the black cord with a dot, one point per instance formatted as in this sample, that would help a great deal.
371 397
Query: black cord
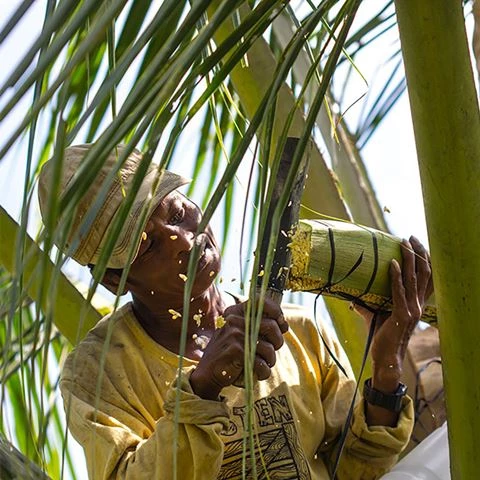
329 350
375 263
343 436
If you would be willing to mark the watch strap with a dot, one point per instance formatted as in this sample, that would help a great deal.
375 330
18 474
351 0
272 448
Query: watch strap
389 401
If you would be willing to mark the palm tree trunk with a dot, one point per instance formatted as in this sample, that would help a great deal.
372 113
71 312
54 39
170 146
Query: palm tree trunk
447 132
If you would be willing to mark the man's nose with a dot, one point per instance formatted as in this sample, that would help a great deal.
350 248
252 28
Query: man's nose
189 233
196 218
185 241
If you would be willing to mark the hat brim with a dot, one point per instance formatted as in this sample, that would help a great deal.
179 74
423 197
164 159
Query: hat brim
131 234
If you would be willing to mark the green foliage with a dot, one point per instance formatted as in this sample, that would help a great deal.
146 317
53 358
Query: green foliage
30 414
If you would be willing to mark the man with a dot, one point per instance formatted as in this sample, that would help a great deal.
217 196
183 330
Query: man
140 413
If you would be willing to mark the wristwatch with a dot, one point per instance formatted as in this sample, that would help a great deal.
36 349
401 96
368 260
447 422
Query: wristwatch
389 401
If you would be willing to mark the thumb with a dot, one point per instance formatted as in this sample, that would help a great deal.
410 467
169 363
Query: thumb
362 311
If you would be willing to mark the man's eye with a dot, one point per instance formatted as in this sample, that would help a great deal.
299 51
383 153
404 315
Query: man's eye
178 217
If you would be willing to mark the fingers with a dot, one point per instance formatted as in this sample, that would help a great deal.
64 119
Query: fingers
226 351
409 275
282 324
270 310
411 285
398 289
261 368
423 270
265 359
412 282
271 333
362 311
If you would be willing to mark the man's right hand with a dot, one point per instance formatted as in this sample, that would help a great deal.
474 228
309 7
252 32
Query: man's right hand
223 360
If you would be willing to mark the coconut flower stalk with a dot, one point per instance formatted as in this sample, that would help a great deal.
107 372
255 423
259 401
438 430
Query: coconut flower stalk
346 261
447 133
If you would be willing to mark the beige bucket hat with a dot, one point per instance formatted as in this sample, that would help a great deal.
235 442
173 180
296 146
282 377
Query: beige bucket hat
89 244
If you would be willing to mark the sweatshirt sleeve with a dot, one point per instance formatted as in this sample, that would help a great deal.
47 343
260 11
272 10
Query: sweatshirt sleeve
115 451
368 452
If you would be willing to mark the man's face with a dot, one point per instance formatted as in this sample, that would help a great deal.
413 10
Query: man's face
161 265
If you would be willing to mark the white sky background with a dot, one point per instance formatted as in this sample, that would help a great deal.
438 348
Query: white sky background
390 155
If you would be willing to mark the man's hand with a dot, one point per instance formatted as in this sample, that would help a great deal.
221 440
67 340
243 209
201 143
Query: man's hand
411 286
223 360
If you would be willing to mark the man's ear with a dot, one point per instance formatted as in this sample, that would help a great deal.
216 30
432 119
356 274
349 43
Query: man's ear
111 281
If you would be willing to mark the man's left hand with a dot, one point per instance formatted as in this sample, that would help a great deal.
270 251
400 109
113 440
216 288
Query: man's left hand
411 286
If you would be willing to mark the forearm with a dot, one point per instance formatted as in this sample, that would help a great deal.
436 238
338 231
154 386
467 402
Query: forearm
385 379
376 415
411 286
120 445
199 454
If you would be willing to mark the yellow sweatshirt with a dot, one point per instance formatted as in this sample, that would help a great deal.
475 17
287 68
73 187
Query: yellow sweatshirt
121 402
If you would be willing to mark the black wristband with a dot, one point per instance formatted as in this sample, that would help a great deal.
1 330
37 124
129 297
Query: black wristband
389 401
